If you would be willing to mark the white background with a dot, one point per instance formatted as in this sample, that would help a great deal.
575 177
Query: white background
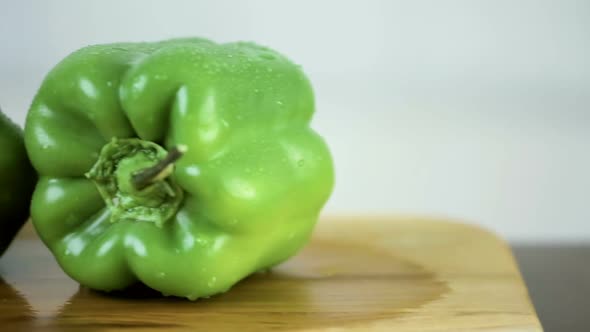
473 110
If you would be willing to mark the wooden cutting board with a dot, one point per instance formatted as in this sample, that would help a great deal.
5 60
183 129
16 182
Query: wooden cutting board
357 274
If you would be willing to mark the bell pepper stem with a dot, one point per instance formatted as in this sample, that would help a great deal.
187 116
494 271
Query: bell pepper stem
159 171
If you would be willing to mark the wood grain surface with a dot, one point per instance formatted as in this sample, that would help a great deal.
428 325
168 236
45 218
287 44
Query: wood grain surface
357 274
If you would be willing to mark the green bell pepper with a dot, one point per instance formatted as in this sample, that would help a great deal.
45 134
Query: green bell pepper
184 165
17 180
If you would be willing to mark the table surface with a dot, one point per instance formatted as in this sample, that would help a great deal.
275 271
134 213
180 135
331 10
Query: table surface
356 274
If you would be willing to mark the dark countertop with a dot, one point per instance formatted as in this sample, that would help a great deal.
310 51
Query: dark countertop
558 279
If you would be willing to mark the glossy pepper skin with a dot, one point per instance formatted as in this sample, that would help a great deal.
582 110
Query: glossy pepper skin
244 196
17 180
